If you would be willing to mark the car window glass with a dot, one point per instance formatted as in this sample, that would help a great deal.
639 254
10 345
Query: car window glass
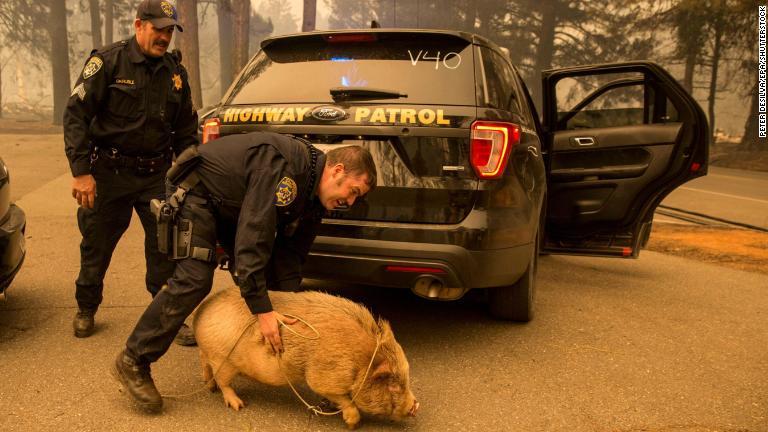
499 80
429 69
598 101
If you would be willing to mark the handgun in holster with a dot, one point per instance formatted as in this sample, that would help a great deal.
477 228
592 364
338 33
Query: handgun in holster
164 216
174 234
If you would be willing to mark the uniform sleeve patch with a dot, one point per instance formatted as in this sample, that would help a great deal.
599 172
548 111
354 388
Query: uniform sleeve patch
79 90
285 192
176 78
93 66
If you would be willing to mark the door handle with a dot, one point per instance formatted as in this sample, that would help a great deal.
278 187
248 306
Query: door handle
583 141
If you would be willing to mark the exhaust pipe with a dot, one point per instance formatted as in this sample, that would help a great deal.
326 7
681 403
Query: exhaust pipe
433 288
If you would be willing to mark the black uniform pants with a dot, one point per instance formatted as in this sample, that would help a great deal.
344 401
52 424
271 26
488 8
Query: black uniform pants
191 282
117 195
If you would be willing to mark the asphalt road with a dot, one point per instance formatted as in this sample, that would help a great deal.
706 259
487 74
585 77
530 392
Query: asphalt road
655 344
730 194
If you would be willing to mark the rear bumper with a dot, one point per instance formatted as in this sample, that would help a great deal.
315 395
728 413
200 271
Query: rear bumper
366 261
12 246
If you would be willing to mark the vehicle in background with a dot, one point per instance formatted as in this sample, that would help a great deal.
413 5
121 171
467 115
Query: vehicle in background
12 226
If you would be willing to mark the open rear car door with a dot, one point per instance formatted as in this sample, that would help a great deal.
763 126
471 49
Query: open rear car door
619 138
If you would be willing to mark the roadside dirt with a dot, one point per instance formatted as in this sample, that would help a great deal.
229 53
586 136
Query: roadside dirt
27 126
740 249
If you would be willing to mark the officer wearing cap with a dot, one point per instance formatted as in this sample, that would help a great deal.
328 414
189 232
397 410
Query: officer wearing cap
129 111
261 196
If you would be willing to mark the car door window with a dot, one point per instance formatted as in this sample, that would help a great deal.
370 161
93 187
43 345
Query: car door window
611 100
599 101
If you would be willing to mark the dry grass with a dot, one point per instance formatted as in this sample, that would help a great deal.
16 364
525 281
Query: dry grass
735 248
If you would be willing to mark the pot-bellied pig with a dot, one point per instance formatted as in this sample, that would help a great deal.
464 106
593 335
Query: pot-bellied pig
335 361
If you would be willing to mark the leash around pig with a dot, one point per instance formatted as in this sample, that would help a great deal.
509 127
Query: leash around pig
315 409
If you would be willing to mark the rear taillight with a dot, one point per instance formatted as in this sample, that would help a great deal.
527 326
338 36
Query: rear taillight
490 147
211 129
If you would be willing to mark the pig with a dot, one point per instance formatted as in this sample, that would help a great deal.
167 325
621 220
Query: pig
333 365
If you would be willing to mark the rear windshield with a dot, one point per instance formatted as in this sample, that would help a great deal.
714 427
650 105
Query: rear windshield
429 69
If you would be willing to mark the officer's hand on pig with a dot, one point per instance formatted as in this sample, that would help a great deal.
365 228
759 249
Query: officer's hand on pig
269 324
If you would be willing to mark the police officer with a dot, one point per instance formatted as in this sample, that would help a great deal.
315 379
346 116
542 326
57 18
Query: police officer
130 109
262 196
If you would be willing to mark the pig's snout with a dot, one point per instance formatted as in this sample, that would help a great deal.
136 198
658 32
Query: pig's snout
414 408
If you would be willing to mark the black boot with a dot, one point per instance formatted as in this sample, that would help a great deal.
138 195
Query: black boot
137 379
83 323
185 336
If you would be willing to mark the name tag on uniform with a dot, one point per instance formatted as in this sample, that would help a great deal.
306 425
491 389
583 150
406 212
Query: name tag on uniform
125 81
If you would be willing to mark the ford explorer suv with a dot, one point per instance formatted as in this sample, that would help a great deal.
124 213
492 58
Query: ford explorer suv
472 184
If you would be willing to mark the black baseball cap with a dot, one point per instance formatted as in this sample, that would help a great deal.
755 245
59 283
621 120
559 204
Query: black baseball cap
160 13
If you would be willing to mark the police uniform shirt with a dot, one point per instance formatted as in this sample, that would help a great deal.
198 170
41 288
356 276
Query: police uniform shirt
269 174
139 105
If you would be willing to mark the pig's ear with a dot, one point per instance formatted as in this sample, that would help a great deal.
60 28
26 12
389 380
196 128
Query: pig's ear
382 371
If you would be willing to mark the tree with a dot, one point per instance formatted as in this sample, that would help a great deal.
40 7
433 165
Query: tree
715 34
260 29
2 67
26 17
225 18
687 19
279 12
59 58
310 14
569 33
190 47
109 21
716 25
750 140
744 35
95 22
242 19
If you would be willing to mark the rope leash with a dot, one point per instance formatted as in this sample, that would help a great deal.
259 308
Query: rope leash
315 409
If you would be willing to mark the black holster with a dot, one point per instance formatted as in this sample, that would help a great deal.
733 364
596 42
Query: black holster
174 233
165 216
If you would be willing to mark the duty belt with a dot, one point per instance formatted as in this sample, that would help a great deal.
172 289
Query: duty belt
149 164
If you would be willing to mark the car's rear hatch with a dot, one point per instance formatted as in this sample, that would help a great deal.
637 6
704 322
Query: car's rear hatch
409 97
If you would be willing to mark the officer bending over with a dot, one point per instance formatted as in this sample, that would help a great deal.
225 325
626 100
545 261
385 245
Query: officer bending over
262 196
131 107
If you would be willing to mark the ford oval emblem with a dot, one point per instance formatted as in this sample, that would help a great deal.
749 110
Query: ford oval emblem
328 113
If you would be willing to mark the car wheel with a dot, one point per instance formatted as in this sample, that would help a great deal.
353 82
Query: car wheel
515 302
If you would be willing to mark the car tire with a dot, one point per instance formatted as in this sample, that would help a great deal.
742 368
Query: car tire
515 302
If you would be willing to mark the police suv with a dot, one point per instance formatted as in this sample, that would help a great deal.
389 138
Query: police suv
472 185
